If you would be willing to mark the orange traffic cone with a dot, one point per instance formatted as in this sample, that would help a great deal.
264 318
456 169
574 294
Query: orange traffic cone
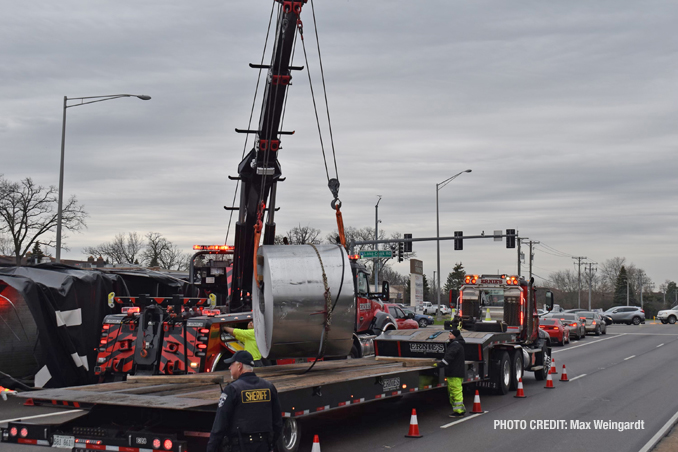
553 370
316 444
414 426
563 377
549 382
476 403
520 394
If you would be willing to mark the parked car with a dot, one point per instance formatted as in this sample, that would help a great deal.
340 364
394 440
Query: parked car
578 327
404 321
626 314
594 323
668 315
421 319
558 332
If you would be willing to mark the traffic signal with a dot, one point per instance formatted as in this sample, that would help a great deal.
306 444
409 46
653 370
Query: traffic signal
400 251
510 238
458 243
408 245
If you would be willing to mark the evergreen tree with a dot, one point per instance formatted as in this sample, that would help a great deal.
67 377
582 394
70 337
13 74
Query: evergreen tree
620 289
427 291
455 279
37 253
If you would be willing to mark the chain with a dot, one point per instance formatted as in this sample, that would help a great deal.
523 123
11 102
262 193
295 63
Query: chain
328 300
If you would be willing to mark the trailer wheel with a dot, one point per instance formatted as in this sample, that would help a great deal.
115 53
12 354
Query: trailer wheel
290 437
541 374
501 375
516 369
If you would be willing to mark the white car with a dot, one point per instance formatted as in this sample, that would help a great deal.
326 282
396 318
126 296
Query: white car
668 315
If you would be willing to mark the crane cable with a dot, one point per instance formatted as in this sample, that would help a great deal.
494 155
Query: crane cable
315 106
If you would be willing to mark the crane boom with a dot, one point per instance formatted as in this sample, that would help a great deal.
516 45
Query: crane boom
260 171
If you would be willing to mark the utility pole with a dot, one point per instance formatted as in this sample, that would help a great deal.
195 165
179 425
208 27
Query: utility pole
579 281
518 256
376 247
590 276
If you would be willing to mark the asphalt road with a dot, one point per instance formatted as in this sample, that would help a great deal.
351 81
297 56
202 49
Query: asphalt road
622 376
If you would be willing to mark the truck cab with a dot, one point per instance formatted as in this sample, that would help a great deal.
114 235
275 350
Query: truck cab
372 318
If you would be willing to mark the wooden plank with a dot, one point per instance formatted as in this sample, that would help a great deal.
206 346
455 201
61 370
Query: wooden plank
177 379
408 362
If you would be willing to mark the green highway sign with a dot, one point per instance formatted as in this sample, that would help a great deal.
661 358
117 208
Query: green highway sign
375 254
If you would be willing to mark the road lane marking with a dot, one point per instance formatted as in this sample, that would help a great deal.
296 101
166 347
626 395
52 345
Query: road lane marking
578 376
660 434
630 357
659 345
39 415
474 415
588 343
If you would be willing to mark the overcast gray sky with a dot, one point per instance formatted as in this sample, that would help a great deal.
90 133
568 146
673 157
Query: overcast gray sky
565 111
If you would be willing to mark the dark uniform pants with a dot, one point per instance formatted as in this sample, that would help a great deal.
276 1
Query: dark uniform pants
251 447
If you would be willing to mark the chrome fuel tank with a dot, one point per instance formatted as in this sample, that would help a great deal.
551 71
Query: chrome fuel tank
289 312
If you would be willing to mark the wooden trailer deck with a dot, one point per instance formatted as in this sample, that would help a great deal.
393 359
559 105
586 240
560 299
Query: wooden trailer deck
202 391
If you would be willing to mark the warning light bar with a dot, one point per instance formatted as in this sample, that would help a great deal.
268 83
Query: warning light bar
354 257
129 310
213 248
211 311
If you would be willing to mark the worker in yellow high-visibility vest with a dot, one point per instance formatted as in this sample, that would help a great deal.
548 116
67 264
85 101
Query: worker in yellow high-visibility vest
248 341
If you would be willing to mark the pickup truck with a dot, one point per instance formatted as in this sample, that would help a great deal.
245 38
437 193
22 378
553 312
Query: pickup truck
429 308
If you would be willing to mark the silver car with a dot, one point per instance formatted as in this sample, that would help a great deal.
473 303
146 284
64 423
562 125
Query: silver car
594 322
626 314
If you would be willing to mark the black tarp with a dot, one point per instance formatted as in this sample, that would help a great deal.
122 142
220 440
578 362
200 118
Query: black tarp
51 316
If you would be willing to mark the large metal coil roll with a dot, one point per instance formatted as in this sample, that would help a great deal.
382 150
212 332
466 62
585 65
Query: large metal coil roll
289 303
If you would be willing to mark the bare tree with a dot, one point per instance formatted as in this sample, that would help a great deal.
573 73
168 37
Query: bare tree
29 211
122 250
300 235
173 257
5 245
565 280
156 245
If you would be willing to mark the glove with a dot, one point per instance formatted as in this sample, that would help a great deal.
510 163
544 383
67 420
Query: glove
437 364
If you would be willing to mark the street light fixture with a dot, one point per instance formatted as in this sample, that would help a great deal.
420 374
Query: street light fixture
90 100
438 187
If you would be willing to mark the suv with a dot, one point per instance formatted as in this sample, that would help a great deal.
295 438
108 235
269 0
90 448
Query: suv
626 314
668 315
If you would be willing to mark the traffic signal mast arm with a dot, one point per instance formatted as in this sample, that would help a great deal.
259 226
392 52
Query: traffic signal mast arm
353 244
259 172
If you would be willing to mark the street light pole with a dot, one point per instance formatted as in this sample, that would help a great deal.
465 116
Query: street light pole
438 187
376 247
90 100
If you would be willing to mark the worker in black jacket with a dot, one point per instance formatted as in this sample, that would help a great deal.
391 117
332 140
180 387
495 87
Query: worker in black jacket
249 415
455 371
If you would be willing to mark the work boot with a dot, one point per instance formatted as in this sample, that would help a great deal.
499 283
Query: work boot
456 414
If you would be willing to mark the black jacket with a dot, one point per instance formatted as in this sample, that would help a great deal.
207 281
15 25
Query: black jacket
454 358
248 405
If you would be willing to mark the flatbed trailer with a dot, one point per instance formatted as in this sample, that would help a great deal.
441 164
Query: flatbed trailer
175 412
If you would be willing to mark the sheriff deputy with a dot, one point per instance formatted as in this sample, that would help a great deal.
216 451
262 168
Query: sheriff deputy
249 418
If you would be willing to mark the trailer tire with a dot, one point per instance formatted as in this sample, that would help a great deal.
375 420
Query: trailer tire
541 374
516 369
501 373
290 438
